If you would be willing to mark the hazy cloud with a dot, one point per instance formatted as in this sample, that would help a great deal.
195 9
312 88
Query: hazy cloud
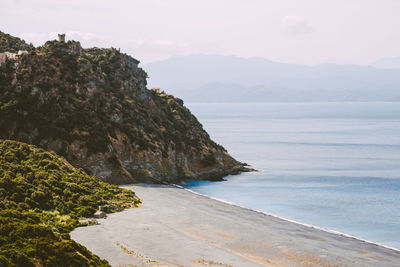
296 25
151 50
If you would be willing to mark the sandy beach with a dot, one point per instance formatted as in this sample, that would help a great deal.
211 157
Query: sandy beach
175 227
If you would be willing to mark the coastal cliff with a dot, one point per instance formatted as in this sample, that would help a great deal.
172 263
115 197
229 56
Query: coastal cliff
92 107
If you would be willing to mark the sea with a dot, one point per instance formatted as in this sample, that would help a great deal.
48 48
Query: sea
331 165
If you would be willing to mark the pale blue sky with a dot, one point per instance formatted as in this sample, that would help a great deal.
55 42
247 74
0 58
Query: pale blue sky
295 31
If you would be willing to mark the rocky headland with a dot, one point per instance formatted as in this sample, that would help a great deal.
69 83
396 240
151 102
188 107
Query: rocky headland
92 107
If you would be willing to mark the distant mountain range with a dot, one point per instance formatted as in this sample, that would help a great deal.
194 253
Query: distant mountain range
215 78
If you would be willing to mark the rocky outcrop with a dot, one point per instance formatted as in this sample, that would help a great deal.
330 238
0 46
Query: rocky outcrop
92 107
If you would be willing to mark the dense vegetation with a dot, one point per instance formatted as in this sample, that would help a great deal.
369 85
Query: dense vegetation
13 44
75 115
92 107
41 199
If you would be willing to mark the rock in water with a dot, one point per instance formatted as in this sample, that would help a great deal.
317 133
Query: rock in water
92 107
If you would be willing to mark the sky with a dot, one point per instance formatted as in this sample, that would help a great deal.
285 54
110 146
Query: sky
294 31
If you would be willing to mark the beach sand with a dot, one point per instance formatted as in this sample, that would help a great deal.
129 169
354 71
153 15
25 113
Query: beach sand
175 227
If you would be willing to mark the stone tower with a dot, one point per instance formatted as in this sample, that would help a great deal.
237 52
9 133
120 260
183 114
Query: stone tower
61 38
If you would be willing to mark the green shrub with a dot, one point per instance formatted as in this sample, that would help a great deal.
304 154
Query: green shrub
41 199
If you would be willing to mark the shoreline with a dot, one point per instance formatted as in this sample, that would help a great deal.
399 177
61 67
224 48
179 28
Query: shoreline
327 230
176 226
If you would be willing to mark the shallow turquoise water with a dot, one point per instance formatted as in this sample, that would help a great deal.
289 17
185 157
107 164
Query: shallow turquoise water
333 165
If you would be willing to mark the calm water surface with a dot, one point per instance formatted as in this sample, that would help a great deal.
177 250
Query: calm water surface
334 165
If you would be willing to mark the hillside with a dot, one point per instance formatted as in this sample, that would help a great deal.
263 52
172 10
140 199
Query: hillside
92 107
12 44
215 78
41 198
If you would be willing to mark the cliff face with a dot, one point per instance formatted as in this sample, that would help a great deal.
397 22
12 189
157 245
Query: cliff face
92 107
